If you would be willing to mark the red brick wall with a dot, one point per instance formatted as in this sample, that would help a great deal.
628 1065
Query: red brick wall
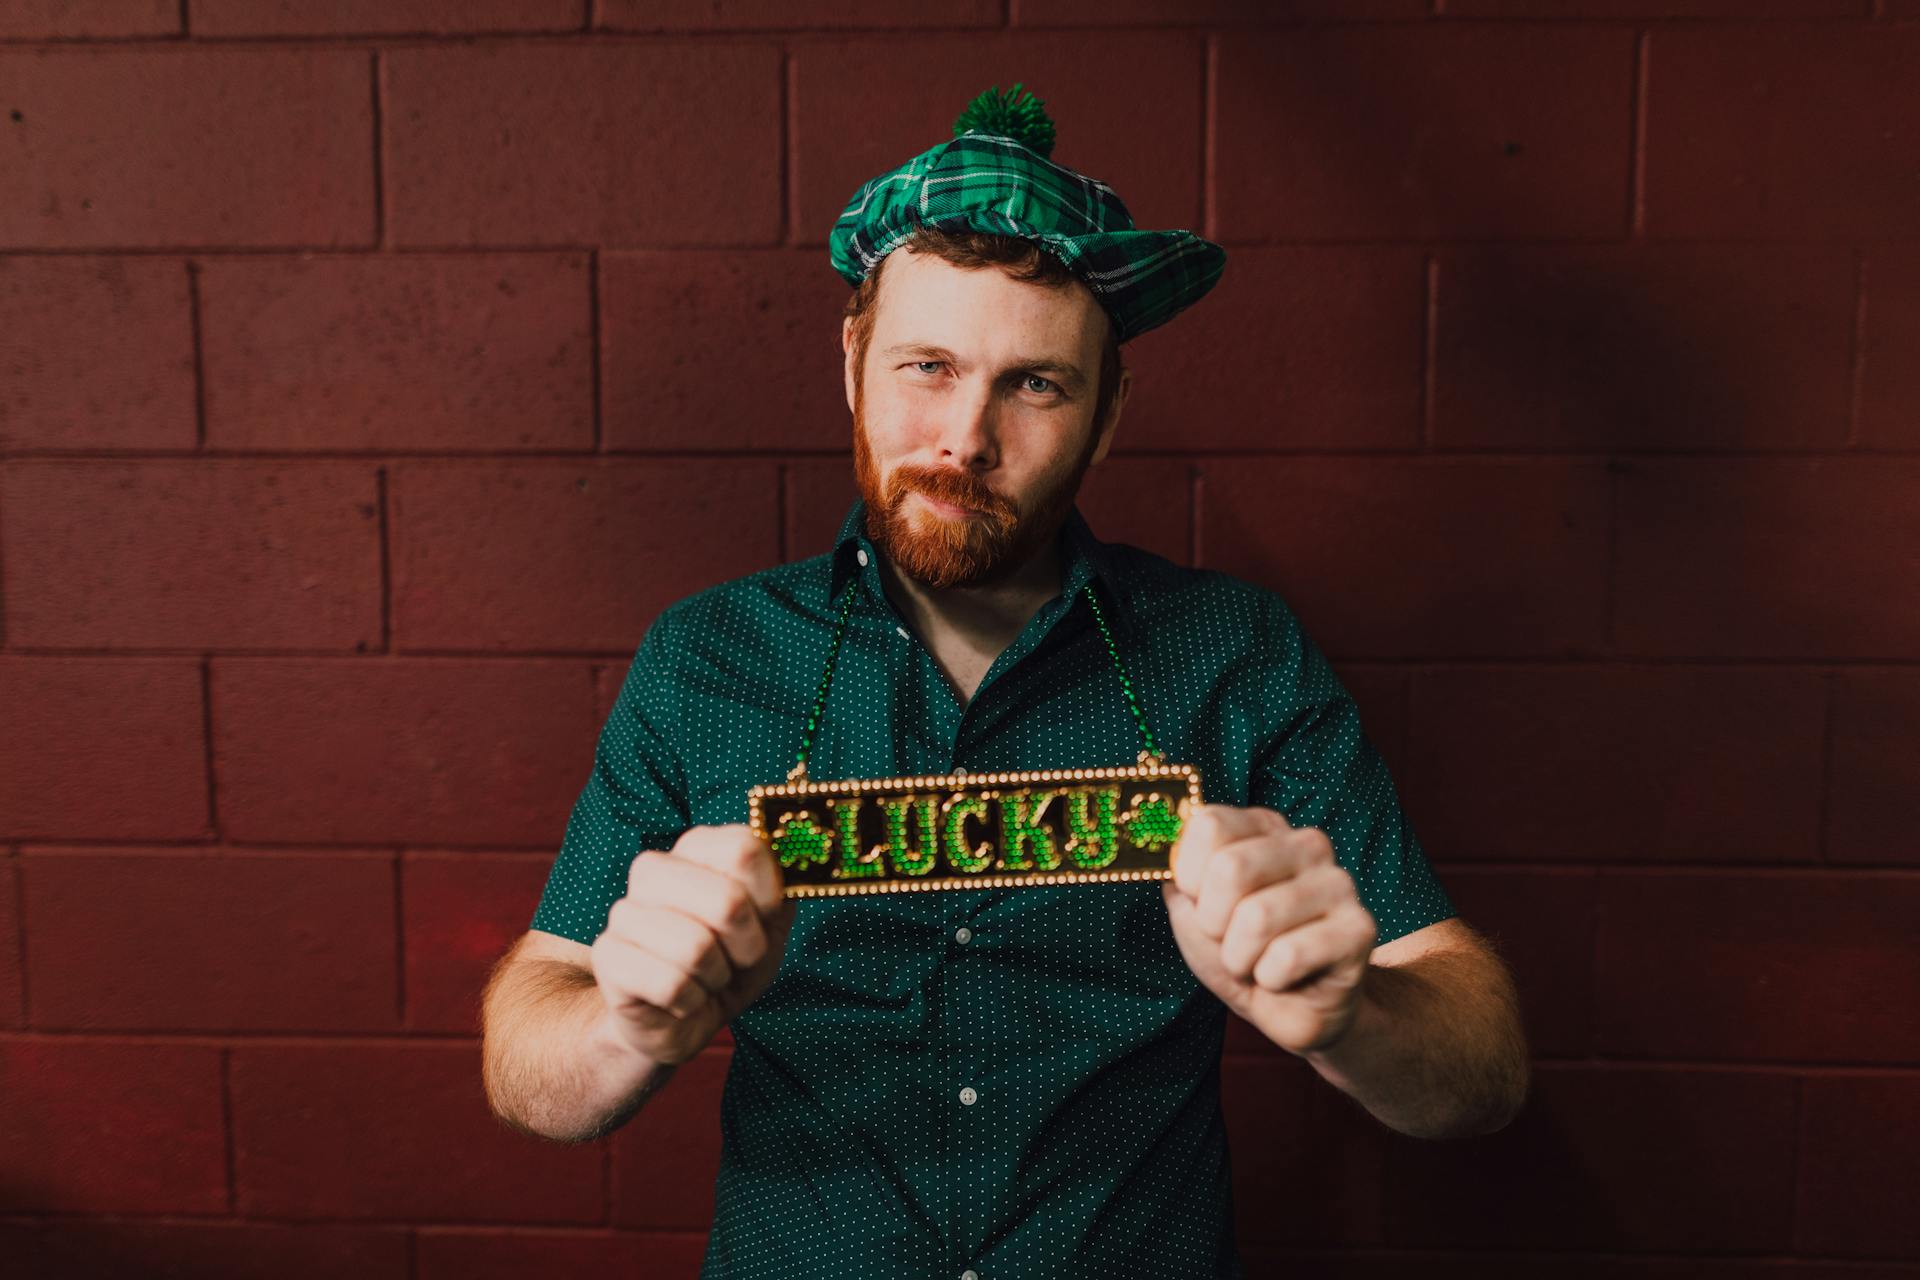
364 365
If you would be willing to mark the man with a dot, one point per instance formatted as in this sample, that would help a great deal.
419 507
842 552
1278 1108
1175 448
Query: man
999 1082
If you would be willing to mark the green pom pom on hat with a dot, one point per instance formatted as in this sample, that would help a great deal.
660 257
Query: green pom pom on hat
996 175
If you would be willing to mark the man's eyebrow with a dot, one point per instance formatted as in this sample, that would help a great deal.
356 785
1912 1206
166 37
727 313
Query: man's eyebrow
1069 372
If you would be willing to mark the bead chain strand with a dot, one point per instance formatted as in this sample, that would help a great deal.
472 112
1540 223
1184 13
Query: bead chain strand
799 771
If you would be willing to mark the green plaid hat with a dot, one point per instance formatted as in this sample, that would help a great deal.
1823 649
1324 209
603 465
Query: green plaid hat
994 176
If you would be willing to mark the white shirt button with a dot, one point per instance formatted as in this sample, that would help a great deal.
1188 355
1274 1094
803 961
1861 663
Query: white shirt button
963 934
903 632
861 555
968 1097
969 1275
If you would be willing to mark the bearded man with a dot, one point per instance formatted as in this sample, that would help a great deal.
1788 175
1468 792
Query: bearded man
1009 1081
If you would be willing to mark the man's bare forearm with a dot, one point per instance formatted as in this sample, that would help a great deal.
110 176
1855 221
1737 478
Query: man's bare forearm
1437 1049
550 1066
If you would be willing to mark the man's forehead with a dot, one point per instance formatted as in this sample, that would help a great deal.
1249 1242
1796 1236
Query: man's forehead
924 298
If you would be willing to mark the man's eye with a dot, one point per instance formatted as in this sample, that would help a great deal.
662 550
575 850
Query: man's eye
1044 387
927 366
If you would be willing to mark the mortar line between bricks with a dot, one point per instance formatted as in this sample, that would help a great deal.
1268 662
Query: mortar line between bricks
1196 503
413 1251
1858 381
789 197
1822 847
1610 570
186 23
379 167
199 359
593 349
3 575
17 886
1637 138
1797 1114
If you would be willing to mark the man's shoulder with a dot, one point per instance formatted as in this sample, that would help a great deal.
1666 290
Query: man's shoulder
764 597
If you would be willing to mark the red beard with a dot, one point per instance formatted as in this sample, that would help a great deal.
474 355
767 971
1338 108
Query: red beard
954 551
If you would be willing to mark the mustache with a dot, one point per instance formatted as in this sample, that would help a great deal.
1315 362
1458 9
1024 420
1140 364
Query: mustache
959 488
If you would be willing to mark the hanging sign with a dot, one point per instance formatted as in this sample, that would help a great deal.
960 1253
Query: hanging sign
975 830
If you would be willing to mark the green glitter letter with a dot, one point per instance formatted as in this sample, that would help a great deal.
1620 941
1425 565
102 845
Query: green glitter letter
1092 842
954 834
907 860
1022 833
846 814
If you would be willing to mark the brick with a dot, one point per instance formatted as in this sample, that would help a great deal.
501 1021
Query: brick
447 1253
63 19
712 15
187 941
1295 348
1573 348
1859 1163
1295 1140
1576 1170
611 144
1452 558
1126 108
13 996
1346 132
256 147
1876 767
1767 557
56 317
683 1119
1133 500
1782 131
722 350
1656 9
383 17
111 1127
414 750
397 1131
197 554
1668 763
1745 965
563 556
204 1251
403 351
1890 348
1542 924
117 751
1102 13
1509 1264
461 912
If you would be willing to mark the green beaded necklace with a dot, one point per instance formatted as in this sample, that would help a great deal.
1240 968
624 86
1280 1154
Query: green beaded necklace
799 771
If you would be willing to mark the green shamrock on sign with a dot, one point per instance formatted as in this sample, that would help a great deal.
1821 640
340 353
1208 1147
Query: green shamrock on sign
1151 823
799 842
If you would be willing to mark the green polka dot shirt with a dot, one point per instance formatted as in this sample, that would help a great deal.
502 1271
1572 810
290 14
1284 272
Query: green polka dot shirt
996 1083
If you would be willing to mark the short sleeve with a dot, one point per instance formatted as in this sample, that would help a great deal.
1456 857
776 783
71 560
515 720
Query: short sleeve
1319 769
634 799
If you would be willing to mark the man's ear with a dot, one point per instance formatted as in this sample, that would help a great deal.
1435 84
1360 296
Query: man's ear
1113 416
846 349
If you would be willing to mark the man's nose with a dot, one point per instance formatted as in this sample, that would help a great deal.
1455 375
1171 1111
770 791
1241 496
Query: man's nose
969 426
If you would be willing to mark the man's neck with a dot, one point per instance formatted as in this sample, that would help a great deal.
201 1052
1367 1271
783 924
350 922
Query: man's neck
964 624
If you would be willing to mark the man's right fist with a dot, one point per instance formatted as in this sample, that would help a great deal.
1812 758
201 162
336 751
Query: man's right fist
697 939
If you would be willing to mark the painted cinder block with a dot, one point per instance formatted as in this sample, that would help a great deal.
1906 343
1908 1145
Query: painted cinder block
256 147
425 751
415 352
58 315
158 940
560 556
192 554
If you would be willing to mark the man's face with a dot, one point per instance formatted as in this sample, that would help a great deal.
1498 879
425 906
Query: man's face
973 416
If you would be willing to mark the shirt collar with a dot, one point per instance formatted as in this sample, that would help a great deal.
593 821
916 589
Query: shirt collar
1086 559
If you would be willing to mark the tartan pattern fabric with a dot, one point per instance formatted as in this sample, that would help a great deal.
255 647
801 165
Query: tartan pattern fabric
995 184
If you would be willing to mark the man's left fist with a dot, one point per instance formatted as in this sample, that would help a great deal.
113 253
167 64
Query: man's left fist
1270 923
